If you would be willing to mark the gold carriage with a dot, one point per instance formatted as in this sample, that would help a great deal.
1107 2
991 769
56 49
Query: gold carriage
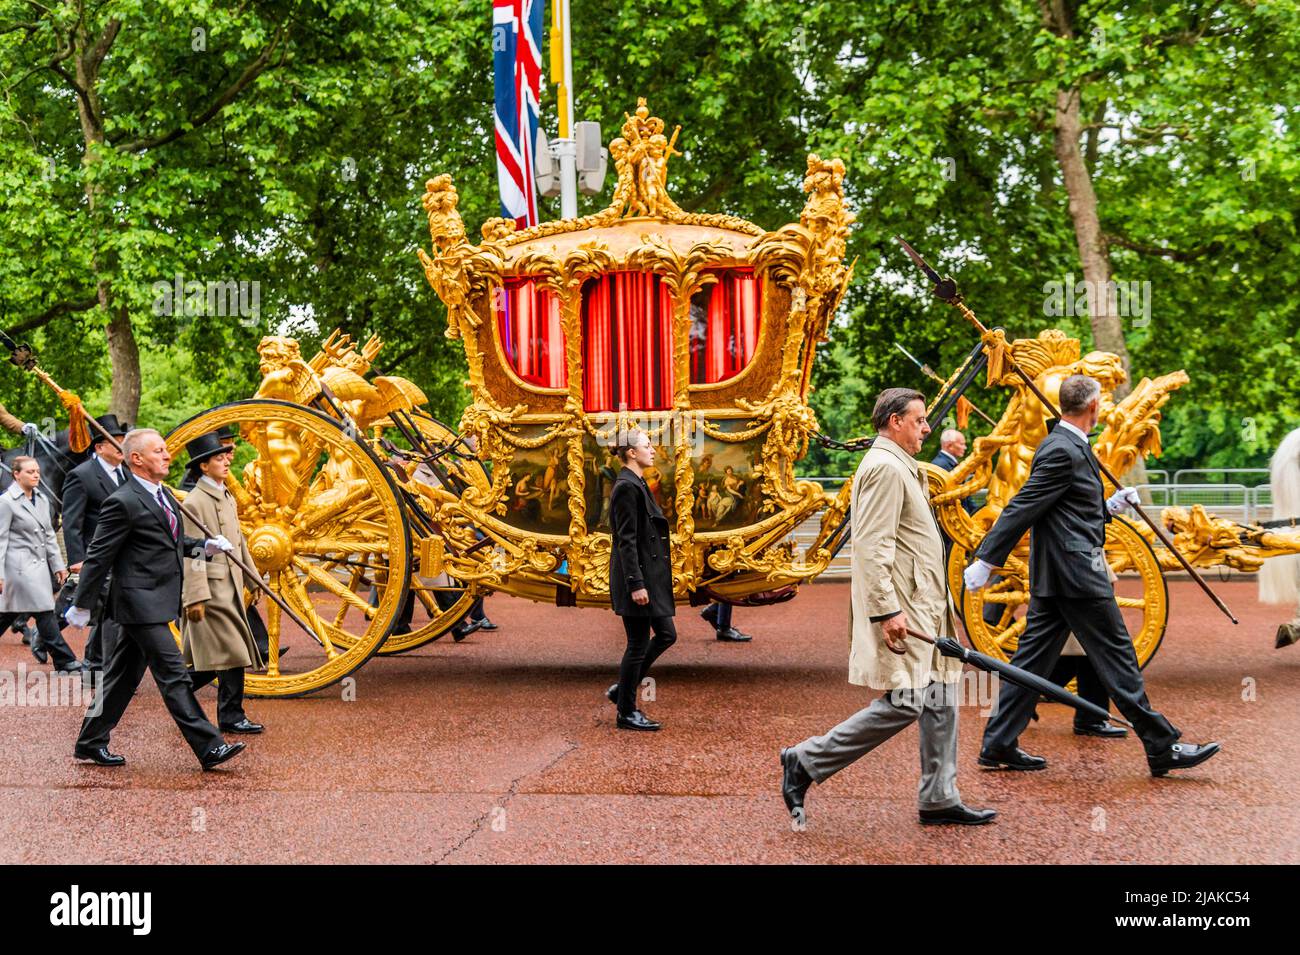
700 329
379 525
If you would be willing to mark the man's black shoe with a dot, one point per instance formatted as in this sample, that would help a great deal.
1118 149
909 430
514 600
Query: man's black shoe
76 666
795 781
485 624
612 694
38 650
1011 759
1106 730
1181 756
220 753
957 815
243 726
463 629
732 635
99 755
710 615
26 632
636 720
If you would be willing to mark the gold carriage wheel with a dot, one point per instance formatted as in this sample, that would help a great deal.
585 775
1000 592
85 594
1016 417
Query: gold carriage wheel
328 499
1143 601
438 621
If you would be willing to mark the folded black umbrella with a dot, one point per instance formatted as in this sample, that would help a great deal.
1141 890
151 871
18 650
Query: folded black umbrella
63 602
1030 681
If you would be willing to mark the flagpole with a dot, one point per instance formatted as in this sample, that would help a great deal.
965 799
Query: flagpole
566 149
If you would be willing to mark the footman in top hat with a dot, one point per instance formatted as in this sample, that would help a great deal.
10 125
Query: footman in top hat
216 640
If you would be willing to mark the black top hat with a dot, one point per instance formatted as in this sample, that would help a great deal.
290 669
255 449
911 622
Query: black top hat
226 432
110 424
202 448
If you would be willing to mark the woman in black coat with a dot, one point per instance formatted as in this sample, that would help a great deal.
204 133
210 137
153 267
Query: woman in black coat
640 577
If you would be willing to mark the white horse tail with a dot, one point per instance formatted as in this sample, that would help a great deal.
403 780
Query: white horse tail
1279 578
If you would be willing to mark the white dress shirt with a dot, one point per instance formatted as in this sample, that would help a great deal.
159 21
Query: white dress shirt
113 473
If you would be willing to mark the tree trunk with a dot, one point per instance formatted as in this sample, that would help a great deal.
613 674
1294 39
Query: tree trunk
1094 256
125 355
122 349
1094 252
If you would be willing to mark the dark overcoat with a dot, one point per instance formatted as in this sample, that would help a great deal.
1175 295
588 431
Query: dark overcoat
639 556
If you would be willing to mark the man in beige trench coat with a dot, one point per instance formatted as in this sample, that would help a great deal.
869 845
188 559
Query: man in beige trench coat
217 641
897 582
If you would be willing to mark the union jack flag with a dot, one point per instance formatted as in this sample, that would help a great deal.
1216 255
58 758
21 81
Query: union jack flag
517 66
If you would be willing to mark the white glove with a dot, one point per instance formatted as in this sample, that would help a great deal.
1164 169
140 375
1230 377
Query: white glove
217 545
30 430
1122 500
77 616
977 574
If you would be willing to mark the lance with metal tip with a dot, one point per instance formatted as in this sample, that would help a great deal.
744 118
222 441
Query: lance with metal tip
24 357
934 376
946 289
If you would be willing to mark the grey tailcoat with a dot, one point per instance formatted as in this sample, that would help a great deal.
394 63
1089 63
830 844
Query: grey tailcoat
29 552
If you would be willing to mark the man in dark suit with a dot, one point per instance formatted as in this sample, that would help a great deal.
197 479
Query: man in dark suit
1064 506
141 541
85 489
952 448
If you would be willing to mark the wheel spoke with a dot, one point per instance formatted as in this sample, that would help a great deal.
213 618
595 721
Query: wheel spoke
1134 602
264 467
341 545
343 604
303 474
1007 597
273 619
316 516
307 609
334 587
1012 632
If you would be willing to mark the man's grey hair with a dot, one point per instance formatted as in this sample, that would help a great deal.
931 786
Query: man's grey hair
950 436
1077 392
134 442
890 402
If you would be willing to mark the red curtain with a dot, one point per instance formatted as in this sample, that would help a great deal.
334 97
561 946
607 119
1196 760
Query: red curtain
529 323
627 343
724 336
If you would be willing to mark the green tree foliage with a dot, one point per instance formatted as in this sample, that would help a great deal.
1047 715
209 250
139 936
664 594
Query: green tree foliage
288 142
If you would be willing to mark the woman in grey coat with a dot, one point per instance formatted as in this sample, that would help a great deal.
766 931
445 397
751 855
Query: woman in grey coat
29 556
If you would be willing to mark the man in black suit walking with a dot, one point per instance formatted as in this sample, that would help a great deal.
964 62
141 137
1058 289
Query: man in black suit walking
85 489
1064 506
141 541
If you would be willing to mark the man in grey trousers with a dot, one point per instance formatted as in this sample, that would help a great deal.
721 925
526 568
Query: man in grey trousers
897 582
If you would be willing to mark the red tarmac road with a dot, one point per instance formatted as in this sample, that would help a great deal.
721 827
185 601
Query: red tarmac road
503 749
